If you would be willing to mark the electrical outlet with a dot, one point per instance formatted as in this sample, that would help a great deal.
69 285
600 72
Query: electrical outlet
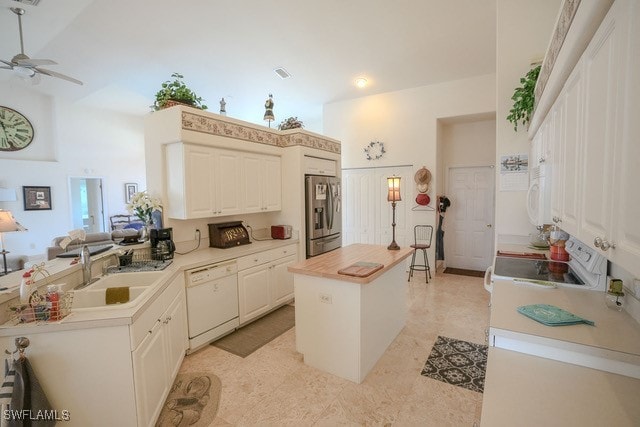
326 298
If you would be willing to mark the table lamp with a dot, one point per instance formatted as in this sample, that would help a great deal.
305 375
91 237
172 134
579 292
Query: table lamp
7 224
393 196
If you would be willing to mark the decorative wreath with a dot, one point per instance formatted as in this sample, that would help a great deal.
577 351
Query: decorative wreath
374 151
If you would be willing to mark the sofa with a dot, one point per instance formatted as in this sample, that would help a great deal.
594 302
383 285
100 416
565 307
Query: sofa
14 262
92 239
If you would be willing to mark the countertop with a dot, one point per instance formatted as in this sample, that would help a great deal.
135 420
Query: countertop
613 330
328 264
527 390
124 316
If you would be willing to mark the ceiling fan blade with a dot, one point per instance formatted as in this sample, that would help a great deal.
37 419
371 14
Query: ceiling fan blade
58 75
35 62
6 62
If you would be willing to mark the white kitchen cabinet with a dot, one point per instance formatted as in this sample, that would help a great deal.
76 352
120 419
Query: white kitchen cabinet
318 166
253 292
157 359
602 72
265 285
261 183
556 138
570 153
281 281
149 369
202 182
596 197
626 194
175 324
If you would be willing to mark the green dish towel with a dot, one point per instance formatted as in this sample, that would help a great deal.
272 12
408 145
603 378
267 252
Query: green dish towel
551 315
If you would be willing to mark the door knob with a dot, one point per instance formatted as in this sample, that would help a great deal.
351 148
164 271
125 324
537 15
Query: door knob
488 225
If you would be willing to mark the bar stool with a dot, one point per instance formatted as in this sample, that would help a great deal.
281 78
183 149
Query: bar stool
422 235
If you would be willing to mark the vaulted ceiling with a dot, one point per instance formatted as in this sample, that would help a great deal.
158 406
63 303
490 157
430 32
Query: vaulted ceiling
122 50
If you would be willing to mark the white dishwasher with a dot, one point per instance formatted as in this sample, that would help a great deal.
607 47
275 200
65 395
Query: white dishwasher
212 302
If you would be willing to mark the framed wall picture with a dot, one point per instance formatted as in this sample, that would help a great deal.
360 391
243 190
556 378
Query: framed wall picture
37 198
129 190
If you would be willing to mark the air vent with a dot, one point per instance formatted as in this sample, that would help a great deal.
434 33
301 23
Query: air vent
284 74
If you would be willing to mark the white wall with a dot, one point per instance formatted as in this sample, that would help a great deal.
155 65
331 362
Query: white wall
524 29
69 141
469 143
405 121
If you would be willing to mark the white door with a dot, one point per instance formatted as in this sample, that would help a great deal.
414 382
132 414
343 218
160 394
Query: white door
366 213
468 225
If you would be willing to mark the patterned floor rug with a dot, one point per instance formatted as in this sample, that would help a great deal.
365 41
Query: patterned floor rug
458 363
193 400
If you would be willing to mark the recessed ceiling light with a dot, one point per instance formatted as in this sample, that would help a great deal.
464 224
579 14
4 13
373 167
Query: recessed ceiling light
284 74
361 82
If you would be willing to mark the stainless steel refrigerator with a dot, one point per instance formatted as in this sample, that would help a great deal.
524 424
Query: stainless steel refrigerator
323 204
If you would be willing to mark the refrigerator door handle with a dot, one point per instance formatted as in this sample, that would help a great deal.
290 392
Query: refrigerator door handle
322 242
329 206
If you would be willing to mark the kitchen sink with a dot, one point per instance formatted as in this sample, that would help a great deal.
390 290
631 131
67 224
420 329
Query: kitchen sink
126 279
95 298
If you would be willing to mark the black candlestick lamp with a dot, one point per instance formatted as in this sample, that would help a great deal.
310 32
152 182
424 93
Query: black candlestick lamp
393 196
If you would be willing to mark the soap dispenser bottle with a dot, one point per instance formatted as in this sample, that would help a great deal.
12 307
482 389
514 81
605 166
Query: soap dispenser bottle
25 287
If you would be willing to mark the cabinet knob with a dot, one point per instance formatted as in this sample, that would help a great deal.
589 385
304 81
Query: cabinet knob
606 245
597 242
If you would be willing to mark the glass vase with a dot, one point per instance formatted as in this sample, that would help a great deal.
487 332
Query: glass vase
145 231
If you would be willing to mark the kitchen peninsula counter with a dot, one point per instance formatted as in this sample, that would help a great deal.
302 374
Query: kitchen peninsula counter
345 323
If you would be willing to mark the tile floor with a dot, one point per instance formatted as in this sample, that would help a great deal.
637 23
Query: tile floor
273 386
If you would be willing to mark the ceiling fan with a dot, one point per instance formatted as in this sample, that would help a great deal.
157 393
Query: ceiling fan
28 67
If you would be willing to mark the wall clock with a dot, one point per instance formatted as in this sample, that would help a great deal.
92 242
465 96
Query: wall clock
374 151
16 131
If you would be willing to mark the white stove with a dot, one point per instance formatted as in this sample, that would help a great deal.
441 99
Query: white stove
586 269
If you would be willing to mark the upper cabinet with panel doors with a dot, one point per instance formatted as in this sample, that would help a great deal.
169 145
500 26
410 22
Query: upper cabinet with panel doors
202 182
261 183
596 136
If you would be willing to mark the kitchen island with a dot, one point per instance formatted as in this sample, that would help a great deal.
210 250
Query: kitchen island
345 323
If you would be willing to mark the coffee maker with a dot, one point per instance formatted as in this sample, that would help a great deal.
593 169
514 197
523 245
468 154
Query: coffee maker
162 246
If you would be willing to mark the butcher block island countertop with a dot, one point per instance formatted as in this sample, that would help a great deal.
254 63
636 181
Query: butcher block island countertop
327 265
344 323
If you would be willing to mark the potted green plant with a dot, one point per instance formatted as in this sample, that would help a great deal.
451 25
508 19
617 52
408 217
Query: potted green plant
176 92
524 99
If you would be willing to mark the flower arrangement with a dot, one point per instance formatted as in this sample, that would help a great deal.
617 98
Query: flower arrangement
290 123
143 205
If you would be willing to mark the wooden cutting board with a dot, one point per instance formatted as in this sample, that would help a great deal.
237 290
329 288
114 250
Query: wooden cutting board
529 255
361 269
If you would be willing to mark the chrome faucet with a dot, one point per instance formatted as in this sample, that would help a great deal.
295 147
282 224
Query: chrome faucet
85 261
